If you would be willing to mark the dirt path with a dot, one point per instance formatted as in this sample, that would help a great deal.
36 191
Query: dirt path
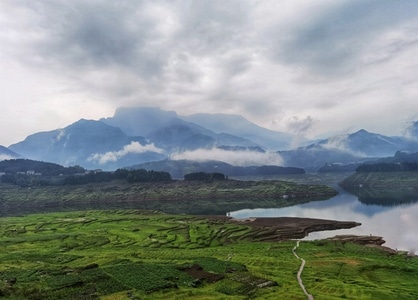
302 265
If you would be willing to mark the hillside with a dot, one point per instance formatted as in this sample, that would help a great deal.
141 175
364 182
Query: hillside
6 153
178 168
215 197
383 188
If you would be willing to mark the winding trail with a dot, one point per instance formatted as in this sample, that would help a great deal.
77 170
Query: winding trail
310 297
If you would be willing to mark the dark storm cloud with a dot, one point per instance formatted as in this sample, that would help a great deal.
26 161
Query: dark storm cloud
83 34
137 39
333 41
124 32
261 59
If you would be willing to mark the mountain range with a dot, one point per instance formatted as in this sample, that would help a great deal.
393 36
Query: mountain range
134 136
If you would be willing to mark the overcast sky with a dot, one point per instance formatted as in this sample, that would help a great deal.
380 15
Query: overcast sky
310 67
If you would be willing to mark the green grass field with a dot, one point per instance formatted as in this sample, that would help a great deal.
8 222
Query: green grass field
130 254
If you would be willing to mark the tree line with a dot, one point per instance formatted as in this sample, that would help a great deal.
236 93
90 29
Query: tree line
44 174
131 176
388 167
203 176
13 166
26 172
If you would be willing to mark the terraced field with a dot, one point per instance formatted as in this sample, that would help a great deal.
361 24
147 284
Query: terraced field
131 254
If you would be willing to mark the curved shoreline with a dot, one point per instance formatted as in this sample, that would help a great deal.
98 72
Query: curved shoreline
287 228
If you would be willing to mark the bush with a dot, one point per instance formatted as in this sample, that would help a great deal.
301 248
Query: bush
202 176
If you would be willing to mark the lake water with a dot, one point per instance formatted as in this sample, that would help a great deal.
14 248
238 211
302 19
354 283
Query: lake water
397 224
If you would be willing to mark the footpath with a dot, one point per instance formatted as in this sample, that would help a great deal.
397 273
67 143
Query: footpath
298 276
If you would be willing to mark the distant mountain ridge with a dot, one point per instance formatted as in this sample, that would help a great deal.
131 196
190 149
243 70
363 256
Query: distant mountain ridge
6 153
139 135
364 143
166 129
78 143
103 144
238 125
354 148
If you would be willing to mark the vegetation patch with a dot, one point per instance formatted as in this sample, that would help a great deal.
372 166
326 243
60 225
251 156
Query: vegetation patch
131 254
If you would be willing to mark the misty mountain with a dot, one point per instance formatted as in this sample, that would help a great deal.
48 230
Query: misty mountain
166 130
412 131
140 121
96 144
312 157
6 153
178 168
366 144
88 143
139 135
179 135
144 121
239 126
400 157
346 149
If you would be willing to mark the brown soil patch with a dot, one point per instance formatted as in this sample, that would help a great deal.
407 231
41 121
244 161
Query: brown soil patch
348 261
197 272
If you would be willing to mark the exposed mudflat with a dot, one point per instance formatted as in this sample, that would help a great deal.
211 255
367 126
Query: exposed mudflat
285 228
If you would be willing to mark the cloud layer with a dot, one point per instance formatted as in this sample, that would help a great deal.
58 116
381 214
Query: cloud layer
235 158
132 148
332 64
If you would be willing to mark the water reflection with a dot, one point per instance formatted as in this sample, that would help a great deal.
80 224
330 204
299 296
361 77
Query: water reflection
384 196
195 207
397 223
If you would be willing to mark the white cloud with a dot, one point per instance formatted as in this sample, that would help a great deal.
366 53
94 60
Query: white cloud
132 148
236 158
6 157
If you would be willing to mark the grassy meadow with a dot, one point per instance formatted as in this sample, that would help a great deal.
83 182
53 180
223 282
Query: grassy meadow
132 254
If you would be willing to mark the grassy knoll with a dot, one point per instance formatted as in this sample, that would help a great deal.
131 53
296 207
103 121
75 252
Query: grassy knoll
134 254
225 195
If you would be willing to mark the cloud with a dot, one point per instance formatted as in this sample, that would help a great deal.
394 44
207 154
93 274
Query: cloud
338 142
132 148
331 60
336 39
236 158
6 157
300 126
411 131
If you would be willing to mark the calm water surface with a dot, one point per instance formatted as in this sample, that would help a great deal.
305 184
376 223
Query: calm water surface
398 225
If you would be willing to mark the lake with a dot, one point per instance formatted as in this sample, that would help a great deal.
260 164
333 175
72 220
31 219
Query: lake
397 224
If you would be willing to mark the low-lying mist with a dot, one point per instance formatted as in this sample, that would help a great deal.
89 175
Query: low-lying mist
236 158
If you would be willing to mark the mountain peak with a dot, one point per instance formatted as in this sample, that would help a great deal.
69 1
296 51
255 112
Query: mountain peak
361 132
140 120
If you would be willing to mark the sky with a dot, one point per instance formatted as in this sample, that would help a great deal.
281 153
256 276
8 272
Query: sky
314 68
